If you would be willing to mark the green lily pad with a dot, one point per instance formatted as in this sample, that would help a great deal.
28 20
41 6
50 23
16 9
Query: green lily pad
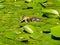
56 31
50 11
28 0
29 28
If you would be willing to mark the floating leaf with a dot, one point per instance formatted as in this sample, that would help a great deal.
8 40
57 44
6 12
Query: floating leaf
56 31
28 0
29 28
50 11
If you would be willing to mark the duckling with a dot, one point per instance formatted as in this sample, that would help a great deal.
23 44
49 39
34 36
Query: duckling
32 19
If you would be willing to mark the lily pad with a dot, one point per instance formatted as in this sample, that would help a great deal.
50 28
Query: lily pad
56 31
28 0
29 28
50 11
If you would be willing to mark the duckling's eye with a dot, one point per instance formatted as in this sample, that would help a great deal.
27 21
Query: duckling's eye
22 21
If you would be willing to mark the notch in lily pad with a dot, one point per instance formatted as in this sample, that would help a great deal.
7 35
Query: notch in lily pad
46 31
24 41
